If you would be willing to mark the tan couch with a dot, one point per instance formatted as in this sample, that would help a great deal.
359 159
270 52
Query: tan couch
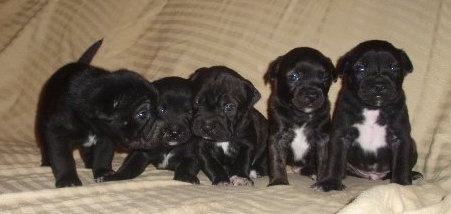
174 37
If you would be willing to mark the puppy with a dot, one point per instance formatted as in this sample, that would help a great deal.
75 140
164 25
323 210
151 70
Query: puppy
371 130
172 134
82 105
233 132
298 113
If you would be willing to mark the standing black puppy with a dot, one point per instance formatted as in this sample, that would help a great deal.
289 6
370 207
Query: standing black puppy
371 128
233 132
82 105
172 137
299 113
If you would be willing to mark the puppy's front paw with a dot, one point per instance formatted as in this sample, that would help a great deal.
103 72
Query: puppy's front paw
240 181
278 181
328 185
221 180
187 178
107 176
68 182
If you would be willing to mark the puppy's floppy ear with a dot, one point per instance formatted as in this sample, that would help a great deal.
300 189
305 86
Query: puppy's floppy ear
273 69
252 92
195 75
406 63
343 65
331 68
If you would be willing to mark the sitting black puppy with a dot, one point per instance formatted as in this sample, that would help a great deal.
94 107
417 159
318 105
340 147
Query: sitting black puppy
299 113
82 105
371 129
233 132
172 137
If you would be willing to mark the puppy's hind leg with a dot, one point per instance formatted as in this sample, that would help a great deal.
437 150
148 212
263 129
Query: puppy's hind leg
63 163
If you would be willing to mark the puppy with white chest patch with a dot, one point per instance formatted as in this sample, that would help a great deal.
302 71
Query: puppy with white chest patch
174 144
371 129
86 106
299 113
233 132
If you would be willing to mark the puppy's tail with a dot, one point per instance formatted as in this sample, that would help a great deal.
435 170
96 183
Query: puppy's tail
90 52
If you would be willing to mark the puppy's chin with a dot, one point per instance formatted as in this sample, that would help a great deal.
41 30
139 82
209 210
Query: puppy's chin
170 140
173 143
213 137
378 101
308 108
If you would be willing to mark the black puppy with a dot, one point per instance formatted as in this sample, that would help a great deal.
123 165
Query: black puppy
82 105
233 132
174 144
299 113
371 128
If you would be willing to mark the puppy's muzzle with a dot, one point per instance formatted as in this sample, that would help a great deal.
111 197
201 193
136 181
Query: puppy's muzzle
378 91
176 134
308 99
210 129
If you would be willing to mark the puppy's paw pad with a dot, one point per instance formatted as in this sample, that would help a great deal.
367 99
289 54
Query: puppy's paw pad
240 181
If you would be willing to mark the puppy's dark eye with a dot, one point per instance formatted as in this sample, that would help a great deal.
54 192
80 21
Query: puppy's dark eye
229 107
395 67
360 67
161 110
294 77
142 115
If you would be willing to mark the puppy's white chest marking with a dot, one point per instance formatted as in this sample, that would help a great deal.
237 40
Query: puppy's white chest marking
92 140
224 146
372 136
299 145
164 164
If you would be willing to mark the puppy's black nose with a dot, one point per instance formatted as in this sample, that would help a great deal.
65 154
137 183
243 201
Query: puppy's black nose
174 134
310 95
379 88
208 126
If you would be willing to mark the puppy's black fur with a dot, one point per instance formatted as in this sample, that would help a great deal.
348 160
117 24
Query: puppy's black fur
233 132
86 106
172 134
371 129
299 112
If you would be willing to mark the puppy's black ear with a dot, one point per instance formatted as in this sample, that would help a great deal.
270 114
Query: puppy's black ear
331 68
406 63
195 75
271 73
343 64
252 92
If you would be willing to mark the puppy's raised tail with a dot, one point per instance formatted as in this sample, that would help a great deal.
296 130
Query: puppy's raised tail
89 54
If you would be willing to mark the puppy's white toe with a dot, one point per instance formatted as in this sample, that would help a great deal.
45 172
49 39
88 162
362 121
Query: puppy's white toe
240 181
